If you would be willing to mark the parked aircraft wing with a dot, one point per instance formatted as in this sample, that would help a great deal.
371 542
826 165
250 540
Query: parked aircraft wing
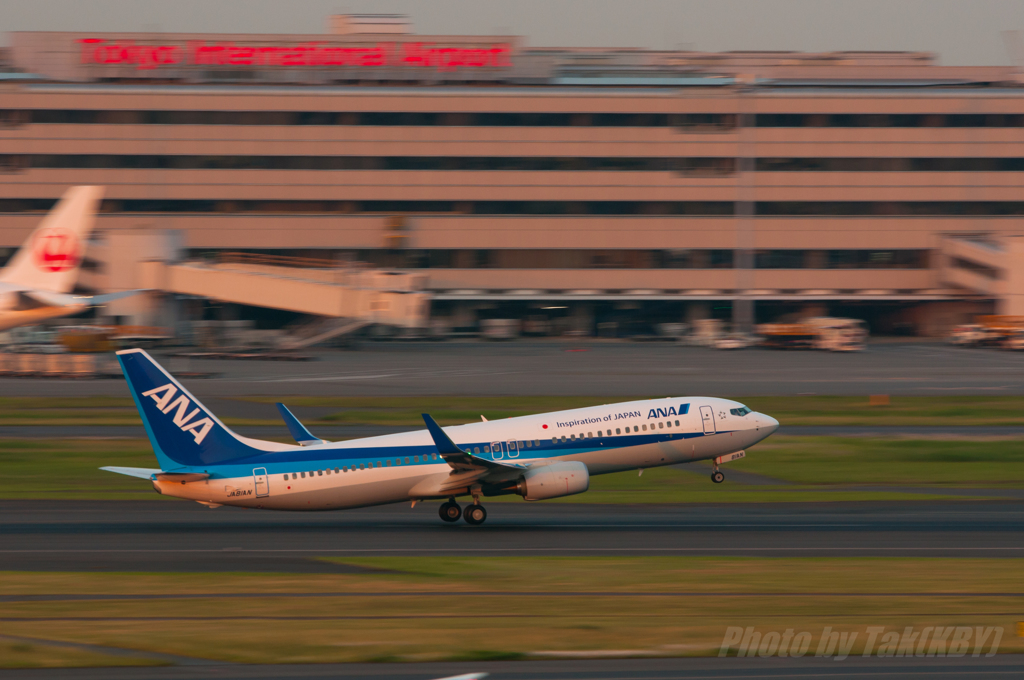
66 300
299 433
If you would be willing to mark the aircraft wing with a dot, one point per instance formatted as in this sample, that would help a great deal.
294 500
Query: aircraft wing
460 460
51 299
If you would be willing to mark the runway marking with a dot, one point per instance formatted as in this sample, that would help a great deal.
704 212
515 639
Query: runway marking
315 551
329 378
380 376
795 672
540 524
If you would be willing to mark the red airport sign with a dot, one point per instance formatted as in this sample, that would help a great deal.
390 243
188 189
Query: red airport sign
314 53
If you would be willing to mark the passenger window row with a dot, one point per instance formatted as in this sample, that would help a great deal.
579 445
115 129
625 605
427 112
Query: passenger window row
662 424
361 466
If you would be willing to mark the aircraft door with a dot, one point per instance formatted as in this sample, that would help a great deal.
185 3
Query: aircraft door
496 451
259 475
513 448
707 416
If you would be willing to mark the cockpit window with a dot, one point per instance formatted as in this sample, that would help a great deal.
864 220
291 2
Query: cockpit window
742 411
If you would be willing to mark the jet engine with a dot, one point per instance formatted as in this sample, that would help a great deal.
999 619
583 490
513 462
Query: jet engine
553 481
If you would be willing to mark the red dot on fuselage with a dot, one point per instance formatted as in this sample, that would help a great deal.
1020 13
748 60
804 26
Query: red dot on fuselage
545 426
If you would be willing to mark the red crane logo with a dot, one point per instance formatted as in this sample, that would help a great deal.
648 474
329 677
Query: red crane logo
56 249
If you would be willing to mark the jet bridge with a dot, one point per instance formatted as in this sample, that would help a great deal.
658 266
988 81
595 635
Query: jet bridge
356 295
988 265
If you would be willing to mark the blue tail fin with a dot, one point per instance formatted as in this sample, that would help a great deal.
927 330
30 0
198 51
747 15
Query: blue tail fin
182 431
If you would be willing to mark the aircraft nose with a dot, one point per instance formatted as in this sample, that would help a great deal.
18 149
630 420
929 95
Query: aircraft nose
768 423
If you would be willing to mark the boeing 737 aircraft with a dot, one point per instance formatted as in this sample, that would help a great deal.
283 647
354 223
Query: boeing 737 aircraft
36 283
537 457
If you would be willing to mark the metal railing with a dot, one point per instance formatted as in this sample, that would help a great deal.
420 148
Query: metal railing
287 261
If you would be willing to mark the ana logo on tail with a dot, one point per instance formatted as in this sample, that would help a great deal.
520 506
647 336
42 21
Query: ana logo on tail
163 397
55 249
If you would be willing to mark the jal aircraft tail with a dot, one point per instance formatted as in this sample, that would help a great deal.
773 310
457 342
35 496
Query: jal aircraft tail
50 258
183 432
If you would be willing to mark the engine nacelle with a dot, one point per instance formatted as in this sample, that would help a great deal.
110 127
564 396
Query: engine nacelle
553 481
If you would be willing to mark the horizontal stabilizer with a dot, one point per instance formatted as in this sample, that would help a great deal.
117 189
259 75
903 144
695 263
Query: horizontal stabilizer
299 433
159 475
141 473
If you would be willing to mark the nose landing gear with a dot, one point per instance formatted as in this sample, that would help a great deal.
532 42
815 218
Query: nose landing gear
717 476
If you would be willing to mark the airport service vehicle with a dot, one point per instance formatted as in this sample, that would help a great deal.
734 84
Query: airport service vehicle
36 283
823 332
537 457
994 330
969 335
735 341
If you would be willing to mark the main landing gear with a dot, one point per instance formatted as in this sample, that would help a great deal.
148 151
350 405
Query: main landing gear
451 512
475 514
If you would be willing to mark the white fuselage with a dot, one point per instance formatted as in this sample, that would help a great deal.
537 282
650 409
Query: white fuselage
403 467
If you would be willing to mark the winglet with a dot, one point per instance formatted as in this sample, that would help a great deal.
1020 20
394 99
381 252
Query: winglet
299 433
445 446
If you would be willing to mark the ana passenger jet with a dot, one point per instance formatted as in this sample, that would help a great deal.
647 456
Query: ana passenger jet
537 457
37 282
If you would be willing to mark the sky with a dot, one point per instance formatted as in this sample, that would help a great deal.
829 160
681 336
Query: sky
961 32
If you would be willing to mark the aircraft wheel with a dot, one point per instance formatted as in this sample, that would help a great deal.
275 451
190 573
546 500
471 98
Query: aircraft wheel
450 512
475 514
717 477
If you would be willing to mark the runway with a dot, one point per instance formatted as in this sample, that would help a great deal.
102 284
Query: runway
1004 666
586 367
181 536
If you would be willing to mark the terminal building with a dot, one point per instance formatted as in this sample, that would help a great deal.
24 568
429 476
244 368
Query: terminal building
596 190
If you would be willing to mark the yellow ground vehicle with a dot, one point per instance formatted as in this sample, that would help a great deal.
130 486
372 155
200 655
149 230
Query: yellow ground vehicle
834 334
88 339
1001 330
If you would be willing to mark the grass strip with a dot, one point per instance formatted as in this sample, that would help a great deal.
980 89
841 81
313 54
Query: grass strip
410 624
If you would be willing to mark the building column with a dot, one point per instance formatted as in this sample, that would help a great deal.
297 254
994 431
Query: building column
743 261
582 318
1012 300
